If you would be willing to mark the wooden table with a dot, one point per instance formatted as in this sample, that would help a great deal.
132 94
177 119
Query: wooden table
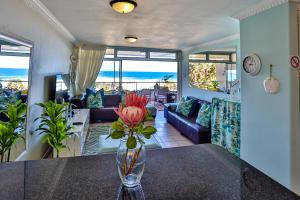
195 172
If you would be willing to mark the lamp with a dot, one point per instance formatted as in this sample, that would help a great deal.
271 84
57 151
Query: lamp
123 6
131 39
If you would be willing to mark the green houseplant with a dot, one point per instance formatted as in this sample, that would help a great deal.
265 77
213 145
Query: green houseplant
54 125
12 129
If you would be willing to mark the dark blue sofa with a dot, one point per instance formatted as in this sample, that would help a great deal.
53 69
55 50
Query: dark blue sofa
188 126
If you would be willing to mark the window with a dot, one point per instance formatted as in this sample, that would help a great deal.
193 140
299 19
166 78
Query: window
108 78
110 53
131 54
214 71
198 56
162 55
219 57
138 75
133 69
233 57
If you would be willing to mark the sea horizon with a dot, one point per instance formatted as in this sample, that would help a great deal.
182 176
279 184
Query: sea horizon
104 76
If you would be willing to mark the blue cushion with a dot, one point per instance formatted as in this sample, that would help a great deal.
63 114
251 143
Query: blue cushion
184 107
195 107
94 101
204 115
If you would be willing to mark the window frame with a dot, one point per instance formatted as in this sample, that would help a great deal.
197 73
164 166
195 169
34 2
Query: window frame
208 60
147 51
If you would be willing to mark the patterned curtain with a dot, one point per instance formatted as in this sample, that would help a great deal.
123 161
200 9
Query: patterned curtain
226 119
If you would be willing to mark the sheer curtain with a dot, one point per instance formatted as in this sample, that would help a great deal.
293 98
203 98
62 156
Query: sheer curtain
86 65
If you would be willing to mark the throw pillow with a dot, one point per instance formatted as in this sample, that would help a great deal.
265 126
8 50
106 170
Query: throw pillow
195 106
184 107
94 101
88 92
204 115
14 97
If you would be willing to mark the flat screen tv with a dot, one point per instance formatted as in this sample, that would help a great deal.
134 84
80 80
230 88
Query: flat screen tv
55 88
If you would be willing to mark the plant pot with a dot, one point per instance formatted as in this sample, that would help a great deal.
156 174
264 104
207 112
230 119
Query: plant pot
130 163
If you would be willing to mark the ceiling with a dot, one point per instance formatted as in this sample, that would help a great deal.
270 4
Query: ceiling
169 24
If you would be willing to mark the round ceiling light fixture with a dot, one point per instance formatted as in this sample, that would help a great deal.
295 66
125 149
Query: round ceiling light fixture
131 39
123 6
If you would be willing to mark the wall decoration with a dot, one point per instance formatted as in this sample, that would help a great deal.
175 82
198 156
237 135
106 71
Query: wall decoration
252 64
271 84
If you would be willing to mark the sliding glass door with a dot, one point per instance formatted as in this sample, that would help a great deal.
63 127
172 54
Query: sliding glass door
109 76
138 75
135 69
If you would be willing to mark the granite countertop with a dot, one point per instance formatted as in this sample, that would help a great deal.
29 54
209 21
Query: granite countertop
195 172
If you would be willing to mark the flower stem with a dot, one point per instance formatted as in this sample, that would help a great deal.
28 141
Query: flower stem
125 162
133 162
126 154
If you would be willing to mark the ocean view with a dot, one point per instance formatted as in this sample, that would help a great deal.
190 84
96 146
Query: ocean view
107 76
104 76
8 73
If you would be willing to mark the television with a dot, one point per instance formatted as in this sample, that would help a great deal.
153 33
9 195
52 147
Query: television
56 88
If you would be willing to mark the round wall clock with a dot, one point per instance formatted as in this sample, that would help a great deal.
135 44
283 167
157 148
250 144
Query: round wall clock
252 64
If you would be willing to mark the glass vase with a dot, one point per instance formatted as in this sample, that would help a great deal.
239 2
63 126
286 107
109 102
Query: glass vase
131 163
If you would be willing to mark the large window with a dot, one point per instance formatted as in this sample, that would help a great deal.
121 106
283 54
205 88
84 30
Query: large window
135 69
215 71
109 76
138 75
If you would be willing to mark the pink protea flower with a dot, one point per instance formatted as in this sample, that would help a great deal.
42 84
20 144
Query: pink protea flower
135 111
132 99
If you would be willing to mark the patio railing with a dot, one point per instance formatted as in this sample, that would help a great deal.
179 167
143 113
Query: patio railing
14 84
135 86
108 86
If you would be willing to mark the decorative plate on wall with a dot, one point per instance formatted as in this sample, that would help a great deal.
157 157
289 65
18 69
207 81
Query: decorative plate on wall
252 64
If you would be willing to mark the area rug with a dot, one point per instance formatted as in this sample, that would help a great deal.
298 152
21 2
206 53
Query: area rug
96 142
91 145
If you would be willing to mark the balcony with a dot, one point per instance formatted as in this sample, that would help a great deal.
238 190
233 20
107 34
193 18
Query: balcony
14 85
135 86
157 92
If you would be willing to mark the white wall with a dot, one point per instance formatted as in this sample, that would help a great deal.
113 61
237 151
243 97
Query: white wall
50 56
270 123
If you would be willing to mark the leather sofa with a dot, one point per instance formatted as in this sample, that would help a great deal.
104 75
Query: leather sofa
106 113
188 126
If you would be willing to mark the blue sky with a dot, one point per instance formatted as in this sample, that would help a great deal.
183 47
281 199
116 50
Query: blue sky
14 62
128 65
142 66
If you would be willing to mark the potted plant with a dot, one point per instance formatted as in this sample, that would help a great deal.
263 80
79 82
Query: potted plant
131 130
215 85
54 125
12 129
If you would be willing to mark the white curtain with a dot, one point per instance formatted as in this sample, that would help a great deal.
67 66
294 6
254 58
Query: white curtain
66 80
86 65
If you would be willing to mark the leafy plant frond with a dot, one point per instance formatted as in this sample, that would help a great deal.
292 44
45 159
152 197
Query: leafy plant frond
53 125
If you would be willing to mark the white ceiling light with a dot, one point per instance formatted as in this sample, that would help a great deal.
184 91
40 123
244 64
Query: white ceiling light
131 39
123 6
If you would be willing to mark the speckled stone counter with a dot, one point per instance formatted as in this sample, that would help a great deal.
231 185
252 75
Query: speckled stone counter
195 172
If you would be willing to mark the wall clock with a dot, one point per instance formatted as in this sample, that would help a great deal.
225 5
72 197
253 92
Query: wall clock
252 64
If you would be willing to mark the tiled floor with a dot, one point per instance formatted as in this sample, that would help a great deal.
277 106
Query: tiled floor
167 135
